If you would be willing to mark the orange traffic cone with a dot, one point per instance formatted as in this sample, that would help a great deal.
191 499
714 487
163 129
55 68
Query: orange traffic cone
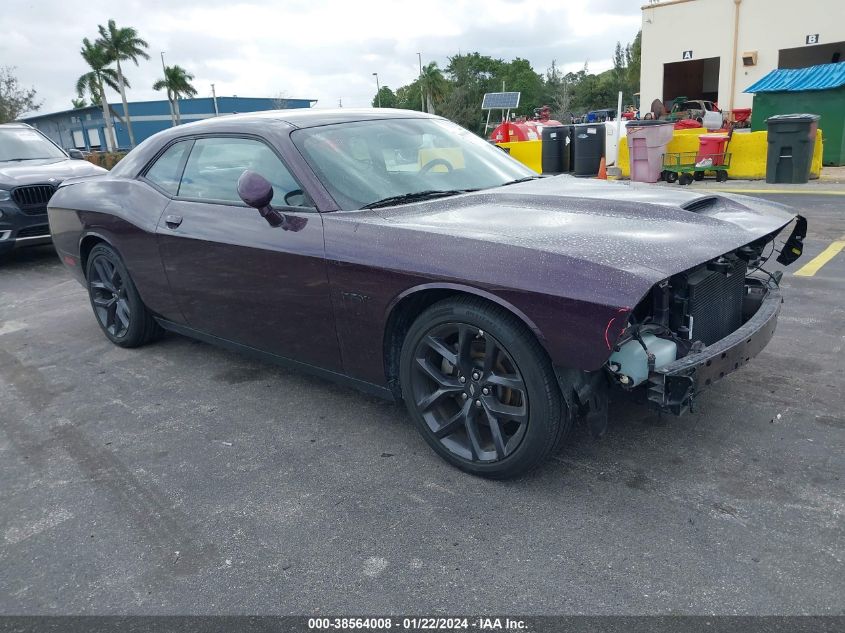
602 169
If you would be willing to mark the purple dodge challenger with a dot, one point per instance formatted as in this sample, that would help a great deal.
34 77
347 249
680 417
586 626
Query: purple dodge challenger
398 253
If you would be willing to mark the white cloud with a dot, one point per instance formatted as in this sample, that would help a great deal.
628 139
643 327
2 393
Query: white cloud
320 49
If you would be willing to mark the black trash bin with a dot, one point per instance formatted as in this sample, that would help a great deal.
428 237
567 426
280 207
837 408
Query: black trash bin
589 148
555 149
792 139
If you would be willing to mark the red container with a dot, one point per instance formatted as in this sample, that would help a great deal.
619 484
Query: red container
741 114
509 132
712 146
686 124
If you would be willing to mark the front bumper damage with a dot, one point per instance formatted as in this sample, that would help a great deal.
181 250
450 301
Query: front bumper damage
673 387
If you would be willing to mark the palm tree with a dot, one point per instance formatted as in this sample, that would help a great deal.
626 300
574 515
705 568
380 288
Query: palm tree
123 44
95 81
91 89
177 82
433 86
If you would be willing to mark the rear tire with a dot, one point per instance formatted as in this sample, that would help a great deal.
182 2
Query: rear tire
117 306
671 176
480 389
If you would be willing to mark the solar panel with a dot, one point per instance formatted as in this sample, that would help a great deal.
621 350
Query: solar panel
500 101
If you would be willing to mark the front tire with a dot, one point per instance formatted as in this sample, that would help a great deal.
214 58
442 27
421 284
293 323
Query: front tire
117 306
480 389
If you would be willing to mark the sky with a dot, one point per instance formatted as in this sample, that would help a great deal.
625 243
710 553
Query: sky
326 50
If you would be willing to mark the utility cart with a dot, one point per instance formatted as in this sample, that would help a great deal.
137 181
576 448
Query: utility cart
684 167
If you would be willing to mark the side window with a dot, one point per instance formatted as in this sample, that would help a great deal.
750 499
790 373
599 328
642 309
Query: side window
165 171
215 164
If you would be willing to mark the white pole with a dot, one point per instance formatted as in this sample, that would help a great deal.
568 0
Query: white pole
422 95
618 128
214 98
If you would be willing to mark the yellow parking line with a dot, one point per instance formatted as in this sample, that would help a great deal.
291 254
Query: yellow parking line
797 192
814 265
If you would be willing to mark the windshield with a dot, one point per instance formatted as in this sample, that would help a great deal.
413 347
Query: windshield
363 162
20 143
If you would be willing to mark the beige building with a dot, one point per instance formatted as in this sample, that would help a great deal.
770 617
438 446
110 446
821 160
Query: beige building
714 49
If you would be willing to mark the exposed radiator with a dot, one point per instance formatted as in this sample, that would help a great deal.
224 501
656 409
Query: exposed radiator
715 303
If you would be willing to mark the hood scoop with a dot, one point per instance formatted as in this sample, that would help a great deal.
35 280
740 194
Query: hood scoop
705 204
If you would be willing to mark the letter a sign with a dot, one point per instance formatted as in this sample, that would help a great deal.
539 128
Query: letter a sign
686 55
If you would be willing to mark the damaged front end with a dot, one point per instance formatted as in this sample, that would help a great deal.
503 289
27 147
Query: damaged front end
697 326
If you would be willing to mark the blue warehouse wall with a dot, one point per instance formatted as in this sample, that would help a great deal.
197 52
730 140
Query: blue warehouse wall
84 128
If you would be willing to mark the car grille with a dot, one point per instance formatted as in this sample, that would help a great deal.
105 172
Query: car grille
715 303
34 231
33 199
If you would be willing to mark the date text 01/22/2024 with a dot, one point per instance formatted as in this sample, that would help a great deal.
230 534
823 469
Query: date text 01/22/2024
418 624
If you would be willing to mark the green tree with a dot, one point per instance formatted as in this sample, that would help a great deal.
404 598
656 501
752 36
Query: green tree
519 76
620 67
90 90
123 44
386 97
634 54
409 97
14 99
434 86
470 75
595 91
79 103
95 81
177 83
560 91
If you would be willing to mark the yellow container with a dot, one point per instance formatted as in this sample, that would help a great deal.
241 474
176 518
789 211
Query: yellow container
529 153
748 153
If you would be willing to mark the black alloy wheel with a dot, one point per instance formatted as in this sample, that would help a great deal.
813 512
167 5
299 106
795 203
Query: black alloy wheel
108 296
120 313
470 392
481 389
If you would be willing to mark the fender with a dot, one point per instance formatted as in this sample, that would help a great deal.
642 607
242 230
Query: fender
472 290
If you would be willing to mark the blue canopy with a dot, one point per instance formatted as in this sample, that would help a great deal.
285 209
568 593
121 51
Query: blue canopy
821 77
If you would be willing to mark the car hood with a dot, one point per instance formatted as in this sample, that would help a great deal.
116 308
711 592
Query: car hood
646 230
30 172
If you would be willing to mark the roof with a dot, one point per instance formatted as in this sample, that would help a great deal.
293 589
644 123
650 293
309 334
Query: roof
115 105
663 3
822 77
307 117
76 111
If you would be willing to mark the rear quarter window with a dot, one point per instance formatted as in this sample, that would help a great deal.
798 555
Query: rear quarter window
166 171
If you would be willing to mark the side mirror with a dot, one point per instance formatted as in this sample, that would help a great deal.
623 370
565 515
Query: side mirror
76 154
257 192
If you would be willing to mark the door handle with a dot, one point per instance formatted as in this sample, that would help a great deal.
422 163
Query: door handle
173 221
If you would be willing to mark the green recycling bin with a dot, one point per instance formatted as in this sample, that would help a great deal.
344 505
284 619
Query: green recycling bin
792 139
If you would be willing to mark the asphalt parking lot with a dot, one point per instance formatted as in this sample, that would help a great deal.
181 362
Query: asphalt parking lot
181 478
